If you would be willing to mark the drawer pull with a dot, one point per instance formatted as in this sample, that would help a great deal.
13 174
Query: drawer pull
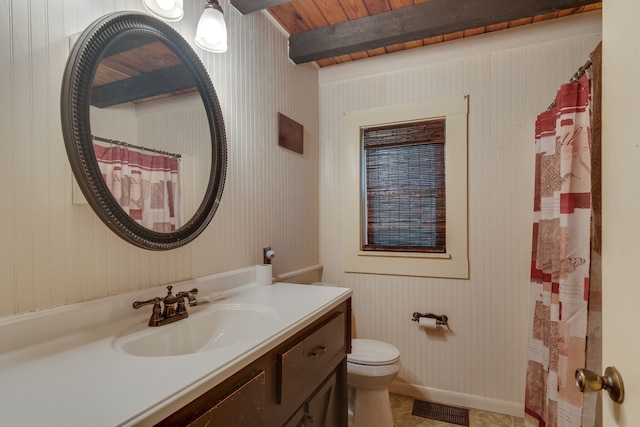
318 352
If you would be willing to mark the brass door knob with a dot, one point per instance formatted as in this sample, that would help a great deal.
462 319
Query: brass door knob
611 382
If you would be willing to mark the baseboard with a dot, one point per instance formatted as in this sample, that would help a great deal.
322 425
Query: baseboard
457 399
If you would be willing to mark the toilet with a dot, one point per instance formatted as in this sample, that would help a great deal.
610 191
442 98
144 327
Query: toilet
371 366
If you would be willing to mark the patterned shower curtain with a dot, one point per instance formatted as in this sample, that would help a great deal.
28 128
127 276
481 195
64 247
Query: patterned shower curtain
561 259
145 185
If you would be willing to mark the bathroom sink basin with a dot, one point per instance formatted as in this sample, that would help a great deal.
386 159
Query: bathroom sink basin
219 326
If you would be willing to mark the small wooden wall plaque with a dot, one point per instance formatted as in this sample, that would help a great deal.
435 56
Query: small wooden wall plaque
290 134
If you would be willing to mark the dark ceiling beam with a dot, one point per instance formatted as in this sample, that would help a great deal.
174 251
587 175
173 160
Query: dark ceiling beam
136 88
424 20
248 6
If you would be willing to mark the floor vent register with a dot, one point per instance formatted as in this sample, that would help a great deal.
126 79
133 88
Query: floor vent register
437 411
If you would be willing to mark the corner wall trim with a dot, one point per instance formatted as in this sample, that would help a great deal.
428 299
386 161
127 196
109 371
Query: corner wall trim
292 274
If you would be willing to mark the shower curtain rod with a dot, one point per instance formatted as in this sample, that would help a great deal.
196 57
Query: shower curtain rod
137 147
576 76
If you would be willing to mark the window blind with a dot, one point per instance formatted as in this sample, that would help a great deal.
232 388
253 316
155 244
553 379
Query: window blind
405 187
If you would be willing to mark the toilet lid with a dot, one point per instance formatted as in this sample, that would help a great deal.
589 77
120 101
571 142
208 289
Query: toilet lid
372 352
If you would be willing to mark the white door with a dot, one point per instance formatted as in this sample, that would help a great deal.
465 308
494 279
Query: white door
621 206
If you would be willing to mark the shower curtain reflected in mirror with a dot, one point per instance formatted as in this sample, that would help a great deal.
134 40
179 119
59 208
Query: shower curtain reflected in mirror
145 185
565 260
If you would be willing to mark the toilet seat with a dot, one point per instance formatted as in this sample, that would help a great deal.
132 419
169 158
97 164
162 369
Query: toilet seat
372 352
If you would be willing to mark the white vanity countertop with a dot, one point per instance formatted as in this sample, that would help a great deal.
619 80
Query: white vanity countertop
79 378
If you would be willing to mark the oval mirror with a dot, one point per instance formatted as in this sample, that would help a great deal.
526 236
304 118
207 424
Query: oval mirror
143 130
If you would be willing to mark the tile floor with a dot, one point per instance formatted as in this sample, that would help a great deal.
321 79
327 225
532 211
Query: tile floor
402 406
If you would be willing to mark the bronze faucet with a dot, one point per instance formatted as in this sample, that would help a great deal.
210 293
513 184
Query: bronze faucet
169 314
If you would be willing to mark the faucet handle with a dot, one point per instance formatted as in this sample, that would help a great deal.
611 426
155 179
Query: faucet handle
156 315
138 304
188 294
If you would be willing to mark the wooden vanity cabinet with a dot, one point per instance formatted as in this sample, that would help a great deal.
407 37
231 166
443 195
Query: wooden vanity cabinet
322 408
301 382
242 406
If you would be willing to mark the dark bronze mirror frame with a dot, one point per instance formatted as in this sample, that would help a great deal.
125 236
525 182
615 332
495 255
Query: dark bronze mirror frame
74 105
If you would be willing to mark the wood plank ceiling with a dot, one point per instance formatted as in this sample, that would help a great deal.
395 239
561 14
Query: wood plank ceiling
139 69
331 32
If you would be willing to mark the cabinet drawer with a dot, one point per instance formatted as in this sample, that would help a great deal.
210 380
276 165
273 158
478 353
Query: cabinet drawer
312 359
244 407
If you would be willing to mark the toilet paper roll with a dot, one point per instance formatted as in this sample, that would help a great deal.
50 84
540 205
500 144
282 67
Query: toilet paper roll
427 323
264 274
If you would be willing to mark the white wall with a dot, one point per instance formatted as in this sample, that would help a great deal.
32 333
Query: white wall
55 253
511 77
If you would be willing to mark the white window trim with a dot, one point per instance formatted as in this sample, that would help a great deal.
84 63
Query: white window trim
454 263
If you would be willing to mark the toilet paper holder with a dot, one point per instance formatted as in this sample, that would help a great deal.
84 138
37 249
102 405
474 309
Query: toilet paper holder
441 320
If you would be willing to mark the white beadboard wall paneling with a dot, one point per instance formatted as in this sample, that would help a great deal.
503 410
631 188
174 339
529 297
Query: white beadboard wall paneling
510 79
7 178
40 157
23 116
56 54
57 253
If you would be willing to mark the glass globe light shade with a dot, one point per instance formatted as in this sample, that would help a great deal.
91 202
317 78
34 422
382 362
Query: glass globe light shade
211 33
167 10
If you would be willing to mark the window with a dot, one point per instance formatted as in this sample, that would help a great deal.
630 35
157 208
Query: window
405 198
404 187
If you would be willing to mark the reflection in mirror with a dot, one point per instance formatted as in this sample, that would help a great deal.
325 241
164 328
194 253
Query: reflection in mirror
150 133
143 130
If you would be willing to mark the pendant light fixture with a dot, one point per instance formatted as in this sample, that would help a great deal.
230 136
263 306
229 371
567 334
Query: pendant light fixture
167 10
211 33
